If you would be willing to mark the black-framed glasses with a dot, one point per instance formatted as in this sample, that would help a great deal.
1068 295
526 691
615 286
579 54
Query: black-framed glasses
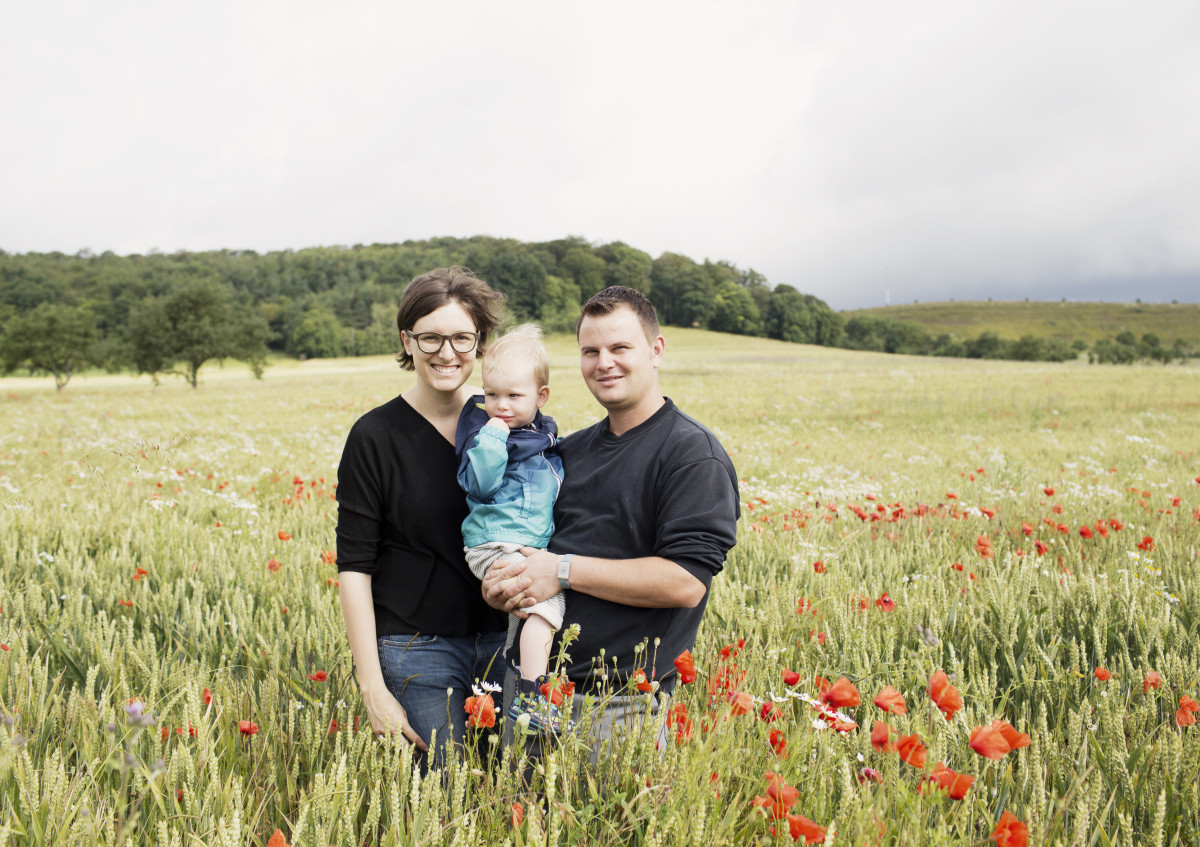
431 342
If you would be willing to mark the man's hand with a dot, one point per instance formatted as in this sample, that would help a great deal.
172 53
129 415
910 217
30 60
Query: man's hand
541 569
505 587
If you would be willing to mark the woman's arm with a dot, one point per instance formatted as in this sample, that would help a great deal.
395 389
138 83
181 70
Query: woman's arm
358 610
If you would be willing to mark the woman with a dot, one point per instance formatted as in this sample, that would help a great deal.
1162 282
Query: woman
418 628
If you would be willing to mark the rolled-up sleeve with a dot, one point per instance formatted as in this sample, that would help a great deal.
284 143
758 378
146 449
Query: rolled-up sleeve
697 517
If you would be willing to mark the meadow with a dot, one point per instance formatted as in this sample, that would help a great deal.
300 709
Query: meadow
965 593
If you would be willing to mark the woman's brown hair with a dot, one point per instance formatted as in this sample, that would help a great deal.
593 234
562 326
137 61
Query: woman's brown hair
434 289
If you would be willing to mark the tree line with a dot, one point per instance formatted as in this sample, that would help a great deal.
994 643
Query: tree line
871 332
163 314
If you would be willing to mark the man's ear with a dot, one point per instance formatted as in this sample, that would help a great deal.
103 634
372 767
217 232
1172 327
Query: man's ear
657 349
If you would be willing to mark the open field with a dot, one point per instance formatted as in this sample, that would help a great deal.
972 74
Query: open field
1016 525
1067 321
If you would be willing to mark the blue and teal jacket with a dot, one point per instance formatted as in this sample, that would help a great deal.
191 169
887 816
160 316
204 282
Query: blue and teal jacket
511 478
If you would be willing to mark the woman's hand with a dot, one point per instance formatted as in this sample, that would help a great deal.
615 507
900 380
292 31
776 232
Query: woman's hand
504 588
388 716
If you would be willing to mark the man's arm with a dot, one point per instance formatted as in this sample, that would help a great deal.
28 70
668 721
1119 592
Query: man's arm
651 582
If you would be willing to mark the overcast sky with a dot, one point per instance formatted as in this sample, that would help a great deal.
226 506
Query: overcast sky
936 149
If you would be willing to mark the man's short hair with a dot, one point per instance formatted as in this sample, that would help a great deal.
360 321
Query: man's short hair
519 349
434 289
614 297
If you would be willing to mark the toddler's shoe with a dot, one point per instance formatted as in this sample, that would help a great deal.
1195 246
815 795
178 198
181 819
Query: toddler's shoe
543 716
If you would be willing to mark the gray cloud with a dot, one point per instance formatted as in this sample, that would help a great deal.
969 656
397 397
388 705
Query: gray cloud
939 149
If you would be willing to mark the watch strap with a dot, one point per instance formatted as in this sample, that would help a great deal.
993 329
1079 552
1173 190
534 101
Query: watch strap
564 570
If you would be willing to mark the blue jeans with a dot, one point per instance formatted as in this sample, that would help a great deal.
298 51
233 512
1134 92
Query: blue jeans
432 675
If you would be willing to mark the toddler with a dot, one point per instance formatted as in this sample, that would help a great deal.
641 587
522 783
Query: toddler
511 474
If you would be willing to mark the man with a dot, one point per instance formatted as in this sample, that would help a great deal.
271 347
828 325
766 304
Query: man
646 515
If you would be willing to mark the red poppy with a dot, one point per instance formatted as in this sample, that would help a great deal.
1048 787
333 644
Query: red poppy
731 650
1010 832
1026 528
1185 715
638 678
206 696
319 676
800 826
1085 531
885 603
5 647
686 668
891 700
841 694
1116 524
944 695
740 703
726 679
1041 547
273 565
866 775
481 711
983 546
1147 543
328 557
518 814
556 690
127 603
1102 674
780 791
821 683
1152 680
778 741
988 513
166 733
1049 492
790 677
140 573
950 495
284 536
277 839
769 712
804 605
1016 740
820 636
989 742
955 784
819 566
247 727
881 735
1063 528
684 730
912 751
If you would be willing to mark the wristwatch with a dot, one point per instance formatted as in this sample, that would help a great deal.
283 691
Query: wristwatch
564 571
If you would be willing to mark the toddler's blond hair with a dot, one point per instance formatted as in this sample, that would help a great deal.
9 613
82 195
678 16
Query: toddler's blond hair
521 347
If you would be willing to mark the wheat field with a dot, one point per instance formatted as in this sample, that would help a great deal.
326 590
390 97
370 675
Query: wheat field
1000 559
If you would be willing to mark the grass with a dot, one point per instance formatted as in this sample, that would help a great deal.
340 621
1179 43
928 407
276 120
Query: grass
1066 321
139 524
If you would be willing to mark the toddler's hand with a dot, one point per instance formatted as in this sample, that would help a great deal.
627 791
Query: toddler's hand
497 423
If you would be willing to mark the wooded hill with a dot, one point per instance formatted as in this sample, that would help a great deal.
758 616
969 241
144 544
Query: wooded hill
1062 321
171 313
